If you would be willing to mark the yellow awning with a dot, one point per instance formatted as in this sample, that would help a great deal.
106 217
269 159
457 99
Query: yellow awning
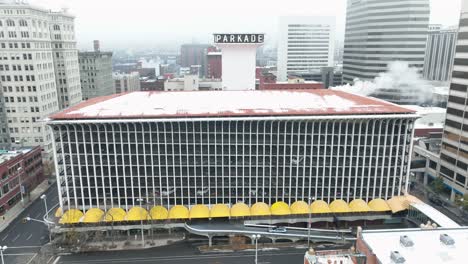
58 212
320 207
219 210
115 215
93 215
71 216
280 208
260 209
136 213
339 206
199 211
379 205
158 213
179 212
359 205
240 210
397 204
300 207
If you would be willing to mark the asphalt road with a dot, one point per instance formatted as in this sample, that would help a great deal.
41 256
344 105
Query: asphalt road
185 252
25 239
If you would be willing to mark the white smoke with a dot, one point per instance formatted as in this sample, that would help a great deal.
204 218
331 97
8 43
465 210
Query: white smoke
399 77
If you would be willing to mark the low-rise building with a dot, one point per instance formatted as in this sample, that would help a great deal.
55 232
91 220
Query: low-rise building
126 82
20 172
192 83
414 246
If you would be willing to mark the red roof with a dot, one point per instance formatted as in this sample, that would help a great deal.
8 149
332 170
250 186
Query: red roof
158 104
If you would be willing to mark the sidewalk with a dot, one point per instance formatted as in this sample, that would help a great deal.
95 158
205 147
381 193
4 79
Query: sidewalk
18 208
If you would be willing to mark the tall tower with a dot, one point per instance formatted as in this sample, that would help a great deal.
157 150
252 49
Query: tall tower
378 32
27 71
67 72
306 44
454 152
440 50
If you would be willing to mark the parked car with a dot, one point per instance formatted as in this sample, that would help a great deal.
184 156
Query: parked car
277 229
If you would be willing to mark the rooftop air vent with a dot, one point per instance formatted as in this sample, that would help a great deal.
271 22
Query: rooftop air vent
446 239
397 257
406 241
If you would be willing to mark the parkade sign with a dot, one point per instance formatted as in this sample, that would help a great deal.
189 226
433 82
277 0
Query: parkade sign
239 38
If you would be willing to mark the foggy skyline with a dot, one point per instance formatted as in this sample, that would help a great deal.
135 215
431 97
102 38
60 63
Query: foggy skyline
161 24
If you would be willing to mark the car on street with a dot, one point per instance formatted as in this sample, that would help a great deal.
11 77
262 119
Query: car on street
277 229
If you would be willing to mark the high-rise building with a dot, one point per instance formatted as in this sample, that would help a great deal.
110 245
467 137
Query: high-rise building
5 141
126 82
96 73
65 54
37 61
194 54
378 32
440 50
453 167
174 148
305 44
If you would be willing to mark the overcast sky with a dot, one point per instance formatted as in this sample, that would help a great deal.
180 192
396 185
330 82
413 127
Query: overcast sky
162 23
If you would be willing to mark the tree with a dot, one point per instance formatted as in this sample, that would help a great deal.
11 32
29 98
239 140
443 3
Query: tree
438 185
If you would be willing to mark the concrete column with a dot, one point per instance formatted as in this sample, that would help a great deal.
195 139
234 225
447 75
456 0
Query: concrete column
210 241
425 180
452 195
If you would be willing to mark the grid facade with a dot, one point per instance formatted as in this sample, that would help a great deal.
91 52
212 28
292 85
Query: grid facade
307 45
440 51
214 160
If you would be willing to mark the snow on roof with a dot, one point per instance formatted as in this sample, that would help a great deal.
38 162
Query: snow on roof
427 248
157 104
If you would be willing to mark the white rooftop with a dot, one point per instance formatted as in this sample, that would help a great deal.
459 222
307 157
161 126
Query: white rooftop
436 216
427 248
229 103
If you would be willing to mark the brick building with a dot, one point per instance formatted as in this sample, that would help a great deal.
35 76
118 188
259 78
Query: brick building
19 168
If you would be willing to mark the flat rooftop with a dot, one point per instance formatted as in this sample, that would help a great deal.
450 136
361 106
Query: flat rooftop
159 104
427 246
6 155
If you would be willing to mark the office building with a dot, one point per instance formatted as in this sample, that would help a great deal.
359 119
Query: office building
191 82
454 152
378 32
65 54
214 63
126 82
5 141
221 147
305 44
30 71
194 54
96 73
440 50
20 169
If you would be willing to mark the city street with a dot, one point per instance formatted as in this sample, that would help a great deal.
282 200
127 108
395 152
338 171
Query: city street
25 239
183 253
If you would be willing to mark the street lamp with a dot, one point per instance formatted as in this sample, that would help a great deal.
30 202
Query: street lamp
309 221
140 200
2 248
256 238
44 198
